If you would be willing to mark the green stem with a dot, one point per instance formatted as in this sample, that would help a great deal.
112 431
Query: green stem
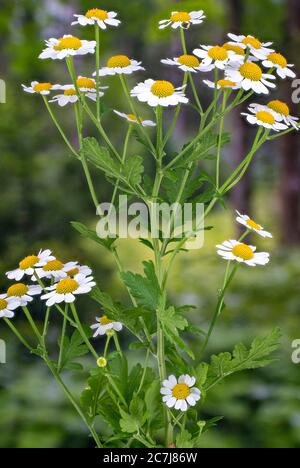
117 343
144 372
220 140
97 37
82 332
61 343
33 325
18 334
196 97
106 345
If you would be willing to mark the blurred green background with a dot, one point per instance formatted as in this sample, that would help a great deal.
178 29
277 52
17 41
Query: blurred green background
42 189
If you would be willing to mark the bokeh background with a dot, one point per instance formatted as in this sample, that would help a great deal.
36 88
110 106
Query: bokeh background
42 189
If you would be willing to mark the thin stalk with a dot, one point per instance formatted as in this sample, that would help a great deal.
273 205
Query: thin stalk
97 37
33 325
62 338
220 140
18 334
144 372
82 332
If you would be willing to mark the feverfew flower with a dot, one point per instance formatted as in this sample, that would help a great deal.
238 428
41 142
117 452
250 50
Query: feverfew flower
8 305
265 118
131 118
101 362
96 16
67 46
257 48
252 225
40 88
29 263
281 65
188 63
23 293
70 96
182 19
217 56
67 289
119 65
250 76
182 394
159 93
283 113
104 324
242 253
222 84
55 269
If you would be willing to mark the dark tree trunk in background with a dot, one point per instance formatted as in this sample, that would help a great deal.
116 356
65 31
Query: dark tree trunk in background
290 162
241 194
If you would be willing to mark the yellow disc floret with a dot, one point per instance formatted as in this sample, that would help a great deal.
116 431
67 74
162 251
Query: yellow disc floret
162 89
17 290
243 251
189 61
251 71
253 225
265 117
101 15
226 83
70 92
279 107
28 262
252 41
73 272
234 48
180 17
278 59
132 117
3 304
104 320
101 362
68 43
86 83
119 61
67 286
40 87
53 265
218 53
181 391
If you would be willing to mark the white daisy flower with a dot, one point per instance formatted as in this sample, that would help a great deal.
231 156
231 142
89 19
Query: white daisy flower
67 46
280 63
101 362
182 394
217 56
242 253
40 88
265 118
234 47
8 305
252 225
133 119
188 63
67 289
70 96
182 19
29 263
104 324
79 270
257 48
249 75
159 93
23 293
280 110
222 84
55 269
96 16
120 65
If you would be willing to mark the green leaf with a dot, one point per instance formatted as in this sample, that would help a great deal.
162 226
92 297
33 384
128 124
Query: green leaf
72 349
100 157
133 170
184 440
225 364
133 421
145 289
172 321
90 397
90 234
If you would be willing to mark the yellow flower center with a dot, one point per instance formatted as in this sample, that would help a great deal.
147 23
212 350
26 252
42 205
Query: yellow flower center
97 13
28 262
243 251
53 265
234 48
252 41
189 61
278 59
66 286
181 17
251 71
162 89
101 362
3 304
265 117
68 43
86 83
280 107
119 61
132 117
70 92
39 87
181 391
218 53
226 83
73 272
105 321
18 290
253 225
